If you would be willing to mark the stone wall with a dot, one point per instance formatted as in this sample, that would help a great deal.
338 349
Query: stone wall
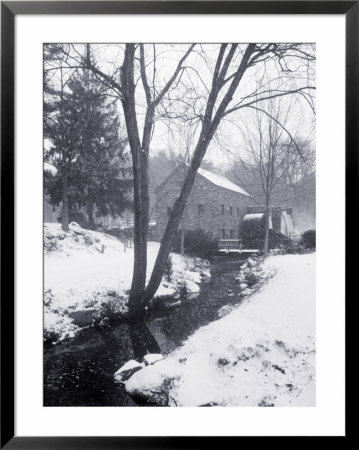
209 207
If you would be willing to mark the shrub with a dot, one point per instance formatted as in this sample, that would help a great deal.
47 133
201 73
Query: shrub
112 310
309 239
253 237
197 242
50 338
182 290
277 240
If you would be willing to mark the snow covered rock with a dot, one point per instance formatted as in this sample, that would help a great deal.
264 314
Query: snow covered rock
59 326
151 358
241 278
83 317
226 309
152 384
246 292
192 287
75 226
252 262
192 295
127 370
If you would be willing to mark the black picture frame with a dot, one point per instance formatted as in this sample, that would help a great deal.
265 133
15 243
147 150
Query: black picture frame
9 9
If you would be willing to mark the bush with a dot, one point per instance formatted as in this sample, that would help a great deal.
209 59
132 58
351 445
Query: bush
308 239
182 290
196 243
111 311
277 240
50 338
253 237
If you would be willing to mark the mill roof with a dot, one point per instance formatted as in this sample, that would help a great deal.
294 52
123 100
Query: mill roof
217 180
221 181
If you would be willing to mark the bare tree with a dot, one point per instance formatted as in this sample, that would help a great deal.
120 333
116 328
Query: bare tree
274 156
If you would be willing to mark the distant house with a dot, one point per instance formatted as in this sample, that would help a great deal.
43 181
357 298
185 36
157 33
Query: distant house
215 204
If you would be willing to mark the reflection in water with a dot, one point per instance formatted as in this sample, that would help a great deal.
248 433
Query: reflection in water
80 372
143 341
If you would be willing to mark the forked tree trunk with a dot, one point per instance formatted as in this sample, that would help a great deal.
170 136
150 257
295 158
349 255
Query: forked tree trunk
65 200
174 220
140 185
139 295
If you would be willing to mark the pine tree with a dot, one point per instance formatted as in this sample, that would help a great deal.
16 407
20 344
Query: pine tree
87 148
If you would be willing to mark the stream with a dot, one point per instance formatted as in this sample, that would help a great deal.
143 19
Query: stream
79 371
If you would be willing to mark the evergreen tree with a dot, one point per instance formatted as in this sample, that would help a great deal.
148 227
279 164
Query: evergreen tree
86 148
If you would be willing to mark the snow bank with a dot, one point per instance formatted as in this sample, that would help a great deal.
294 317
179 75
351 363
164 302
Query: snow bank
260 354
84 269
77 238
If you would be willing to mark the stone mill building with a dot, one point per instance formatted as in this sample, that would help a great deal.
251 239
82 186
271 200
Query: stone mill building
215 204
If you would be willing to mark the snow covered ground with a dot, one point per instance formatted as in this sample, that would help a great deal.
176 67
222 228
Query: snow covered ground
78 275
260 354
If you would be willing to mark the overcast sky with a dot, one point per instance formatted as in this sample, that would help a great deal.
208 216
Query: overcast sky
186 102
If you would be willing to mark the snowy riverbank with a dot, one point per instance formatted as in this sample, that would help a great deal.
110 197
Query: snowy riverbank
84 269
261 354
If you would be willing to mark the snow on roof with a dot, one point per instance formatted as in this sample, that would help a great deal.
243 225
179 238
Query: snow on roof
221 181
253 216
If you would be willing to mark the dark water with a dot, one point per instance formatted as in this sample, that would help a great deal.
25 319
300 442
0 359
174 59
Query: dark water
79 372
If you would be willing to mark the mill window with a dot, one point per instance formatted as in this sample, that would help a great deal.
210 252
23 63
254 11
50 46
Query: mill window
230 210
200 210
222 210
223 232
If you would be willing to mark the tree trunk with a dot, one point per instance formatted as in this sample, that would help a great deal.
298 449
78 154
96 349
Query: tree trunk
65 200
210 124
90 217
182 242
139 296
174 219
266 232
135 302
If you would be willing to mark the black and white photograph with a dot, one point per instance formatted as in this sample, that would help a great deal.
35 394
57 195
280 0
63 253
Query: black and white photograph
179 216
